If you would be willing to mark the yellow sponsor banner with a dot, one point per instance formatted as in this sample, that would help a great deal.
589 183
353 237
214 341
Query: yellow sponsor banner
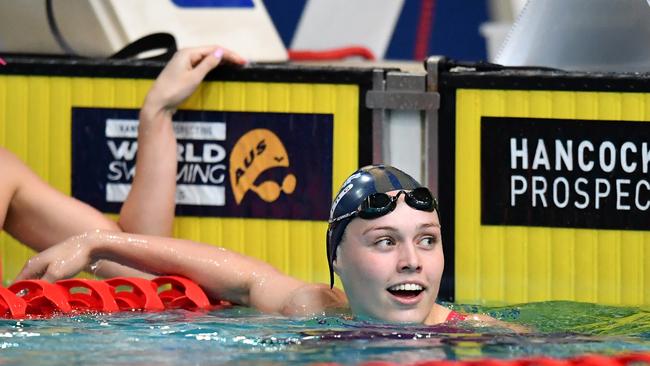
552 196
36 126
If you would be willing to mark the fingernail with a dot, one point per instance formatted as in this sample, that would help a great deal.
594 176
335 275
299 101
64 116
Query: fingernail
3 62
218 53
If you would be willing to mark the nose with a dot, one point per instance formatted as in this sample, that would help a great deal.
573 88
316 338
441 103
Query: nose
409 259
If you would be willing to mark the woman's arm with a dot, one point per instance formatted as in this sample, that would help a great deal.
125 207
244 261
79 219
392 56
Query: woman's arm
41 216
149 207
223 274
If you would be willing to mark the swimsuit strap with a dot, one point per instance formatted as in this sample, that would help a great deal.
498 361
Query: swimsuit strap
455 317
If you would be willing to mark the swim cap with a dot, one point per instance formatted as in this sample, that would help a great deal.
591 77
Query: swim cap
362 183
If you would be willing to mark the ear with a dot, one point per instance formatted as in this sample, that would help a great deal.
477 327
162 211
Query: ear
335 262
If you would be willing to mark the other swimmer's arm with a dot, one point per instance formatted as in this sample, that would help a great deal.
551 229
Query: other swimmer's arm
223 274
149 207
40 216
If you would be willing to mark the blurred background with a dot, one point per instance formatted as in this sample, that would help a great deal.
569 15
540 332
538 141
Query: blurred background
263 30
579 35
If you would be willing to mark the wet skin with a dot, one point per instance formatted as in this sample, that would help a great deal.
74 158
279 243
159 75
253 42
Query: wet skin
391 266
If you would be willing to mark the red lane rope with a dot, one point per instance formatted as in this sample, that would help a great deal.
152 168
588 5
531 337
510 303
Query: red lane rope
331 54
425 25
632 359
41 299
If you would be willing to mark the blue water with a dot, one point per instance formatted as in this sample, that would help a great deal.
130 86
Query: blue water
241 336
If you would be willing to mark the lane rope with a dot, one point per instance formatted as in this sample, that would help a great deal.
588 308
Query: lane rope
30 299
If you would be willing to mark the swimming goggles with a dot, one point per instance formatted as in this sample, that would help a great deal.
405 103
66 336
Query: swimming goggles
380 204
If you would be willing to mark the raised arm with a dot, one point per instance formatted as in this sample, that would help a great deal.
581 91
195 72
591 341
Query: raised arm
223 274
40 216
149 208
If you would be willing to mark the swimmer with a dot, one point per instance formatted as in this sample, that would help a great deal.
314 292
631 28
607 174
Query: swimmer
384 241
40 216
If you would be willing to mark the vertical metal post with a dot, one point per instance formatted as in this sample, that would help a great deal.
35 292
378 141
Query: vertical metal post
400 101
431 157
380 149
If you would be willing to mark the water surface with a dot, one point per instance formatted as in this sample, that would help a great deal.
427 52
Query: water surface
241 336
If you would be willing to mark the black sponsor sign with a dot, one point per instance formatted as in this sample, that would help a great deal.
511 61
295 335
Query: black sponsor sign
565 173
230 164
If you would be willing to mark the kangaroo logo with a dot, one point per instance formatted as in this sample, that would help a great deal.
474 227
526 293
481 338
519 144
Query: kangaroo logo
254 153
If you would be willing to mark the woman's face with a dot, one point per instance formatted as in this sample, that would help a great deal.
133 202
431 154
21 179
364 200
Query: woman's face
391 266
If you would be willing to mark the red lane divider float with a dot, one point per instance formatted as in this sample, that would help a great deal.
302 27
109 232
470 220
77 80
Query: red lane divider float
11 306
633 359
138 294
89 295
183 294
42 299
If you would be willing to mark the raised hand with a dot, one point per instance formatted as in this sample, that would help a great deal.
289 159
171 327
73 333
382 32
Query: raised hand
149 208
184 73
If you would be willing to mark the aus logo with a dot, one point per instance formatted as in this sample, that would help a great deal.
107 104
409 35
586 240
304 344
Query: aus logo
255 152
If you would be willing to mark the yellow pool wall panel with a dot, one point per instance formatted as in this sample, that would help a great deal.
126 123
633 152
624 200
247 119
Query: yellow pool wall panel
515 264
35 124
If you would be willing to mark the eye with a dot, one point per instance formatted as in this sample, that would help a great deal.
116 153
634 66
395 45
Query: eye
384 243
428 241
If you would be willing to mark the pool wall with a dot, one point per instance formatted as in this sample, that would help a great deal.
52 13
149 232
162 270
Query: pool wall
541 174
544 175
68 119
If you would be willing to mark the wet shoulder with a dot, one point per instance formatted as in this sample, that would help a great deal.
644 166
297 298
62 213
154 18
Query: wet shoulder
313 299
438 314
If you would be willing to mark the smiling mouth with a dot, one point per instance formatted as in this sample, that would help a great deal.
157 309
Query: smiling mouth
406 290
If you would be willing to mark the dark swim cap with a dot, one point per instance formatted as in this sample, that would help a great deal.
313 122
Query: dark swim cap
362 183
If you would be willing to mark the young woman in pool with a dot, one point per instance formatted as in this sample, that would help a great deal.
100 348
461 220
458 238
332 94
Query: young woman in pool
383 240
40 216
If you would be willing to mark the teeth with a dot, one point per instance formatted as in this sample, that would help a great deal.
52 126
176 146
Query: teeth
406 287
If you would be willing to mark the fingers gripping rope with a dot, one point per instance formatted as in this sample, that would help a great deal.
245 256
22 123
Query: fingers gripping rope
42 299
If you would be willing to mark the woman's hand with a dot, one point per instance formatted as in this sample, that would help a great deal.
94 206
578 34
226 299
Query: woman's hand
184 73
149 207
63 260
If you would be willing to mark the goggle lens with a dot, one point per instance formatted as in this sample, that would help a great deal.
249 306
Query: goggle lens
421 199
380 204
377 204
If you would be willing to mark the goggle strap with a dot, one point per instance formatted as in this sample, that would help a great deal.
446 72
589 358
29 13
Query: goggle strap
342 217
392 202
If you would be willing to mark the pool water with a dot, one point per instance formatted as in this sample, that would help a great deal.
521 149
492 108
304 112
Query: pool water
242 336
